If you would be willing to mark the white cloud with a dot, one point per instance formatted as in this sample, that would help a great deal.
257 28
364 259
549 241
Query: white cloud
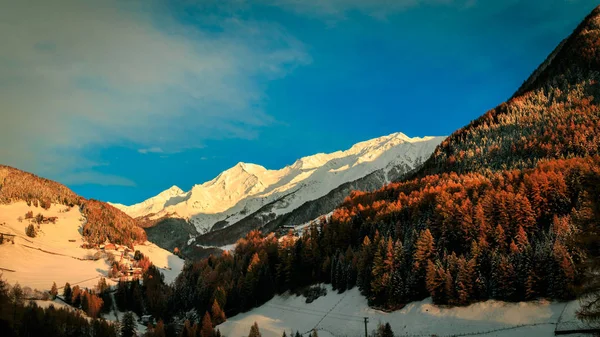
80 74
151 150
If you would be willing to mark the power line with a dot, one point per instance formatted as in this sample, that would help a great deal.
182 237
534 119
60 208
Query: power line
331 315
315 310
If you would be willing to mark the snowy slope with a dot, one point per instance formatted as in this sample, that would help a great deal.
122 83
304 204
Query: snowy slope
342 315
55 254
245 188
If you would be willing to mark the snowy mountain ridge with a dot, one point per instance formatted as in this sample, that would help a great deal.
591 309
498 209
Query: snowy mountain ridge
245 188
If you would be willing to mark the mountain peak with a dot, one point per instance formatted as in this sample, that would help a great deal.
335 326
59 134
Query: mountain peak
173 190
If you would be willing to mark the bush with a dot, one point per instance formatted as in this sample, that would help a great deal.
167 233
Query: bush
29 215
30 231
314 292
45 204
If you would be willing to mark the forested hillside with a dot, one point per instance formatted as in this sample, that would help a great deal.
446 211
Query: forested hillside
555 114
103 221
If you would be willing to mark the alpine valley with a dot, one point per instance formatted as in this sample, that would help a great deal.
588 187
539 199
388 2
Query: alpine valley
492 231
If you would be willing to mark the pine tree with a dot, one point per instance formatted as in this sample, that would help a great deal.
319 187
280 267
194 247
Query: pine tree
314 333
424 253
254 331
218 316
435 281
425 248
76 297
67 293
499 237
378 282
128 325
340 274
207 327
521 239
53 290
384 330
102 285
187 330
364 267
159 329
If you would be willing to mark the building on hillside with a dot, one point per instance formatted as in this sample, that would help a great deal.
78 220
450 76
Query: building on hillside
110 246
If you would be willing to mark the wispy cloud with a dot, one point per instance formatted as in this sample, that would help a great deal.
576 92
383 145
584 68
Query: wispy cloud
80 74
151 150
97 178
336 9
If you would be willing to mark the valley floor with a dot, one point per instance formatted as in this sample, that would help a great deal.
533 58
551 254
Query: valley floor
342 315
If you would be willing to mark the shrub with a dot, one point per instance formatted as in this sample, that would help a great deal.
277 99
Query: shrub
30 231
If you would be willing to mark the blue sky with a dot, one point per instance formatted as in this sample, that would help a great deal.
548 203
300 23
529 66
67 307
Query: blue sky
120 100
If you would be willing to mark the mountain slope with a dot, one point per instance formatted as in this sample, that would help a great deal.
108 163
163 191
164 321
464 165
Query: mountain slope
246 188
265 220
103 221
491 213
555 114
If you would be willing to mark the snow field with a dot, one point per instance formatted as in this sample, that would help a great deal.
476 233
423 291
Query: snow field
342 315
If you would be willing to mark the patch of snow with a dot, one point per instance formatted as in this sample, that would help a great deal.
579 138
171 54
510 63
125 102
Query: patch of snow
170 265
342 315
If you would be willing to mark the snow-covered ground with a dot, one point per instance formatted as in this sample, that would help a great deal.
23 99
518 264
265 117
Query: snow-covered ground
55 254
170 265
245 188
342 315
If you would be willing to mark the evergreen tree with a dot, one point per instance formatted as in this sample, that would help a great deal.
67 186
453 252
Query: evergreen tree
102 286
425 249
314 333
589 240
424 253
128 325
159 329
207 326
76 297
187 330
218 316
67 293
384 330
254 331
364 267
53 290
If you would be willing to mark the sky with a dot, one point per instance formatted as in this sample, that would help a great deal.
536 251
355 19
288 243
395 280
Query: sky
121 99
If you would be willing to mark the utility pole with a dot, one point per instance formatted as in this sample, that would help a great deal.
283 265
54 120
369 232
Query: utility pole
366 321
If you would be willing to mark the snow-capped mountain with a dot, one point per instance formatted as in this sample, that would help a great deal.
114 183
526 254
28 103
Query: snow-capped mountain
243 189
154 204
